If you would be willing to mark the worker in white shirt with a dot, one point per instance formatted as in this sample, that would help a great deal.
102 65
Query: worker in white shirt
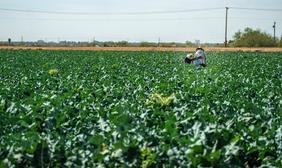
199 58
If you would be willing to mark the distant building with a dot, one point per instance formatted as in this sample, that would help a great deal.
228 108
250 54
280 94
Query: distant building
40 42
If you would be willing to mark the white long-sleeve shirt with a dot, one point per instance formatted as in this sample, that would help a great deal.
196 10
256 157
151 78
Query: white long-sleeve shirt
200 57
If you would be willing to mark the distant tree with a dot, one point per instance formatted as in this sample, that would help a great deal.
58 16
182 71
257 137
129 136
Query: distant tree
169 44
109 44
253 38
122 44
189 43
148 44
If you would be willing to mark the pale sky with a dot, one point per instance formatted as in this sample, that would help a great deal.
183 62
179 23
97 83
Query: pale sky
206 26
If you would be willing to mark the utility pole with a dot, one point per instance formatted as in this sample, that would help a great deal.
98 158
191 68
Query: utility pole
274 29
159 41
226 14
94 41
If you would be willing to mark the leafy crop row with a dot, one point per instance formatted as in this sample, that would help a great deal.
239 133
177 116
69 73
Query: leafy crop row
139 109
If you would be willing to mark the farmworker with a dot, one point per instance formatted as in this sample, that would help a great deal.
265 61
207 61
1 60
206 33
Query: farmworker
189 58
199 58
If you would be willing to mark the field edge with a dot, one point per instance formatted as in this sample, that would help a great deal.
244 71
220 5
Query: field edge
184 49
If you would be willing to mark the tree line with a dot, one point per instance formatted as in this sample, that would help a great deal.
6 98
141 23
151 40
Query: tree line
247 38
254 38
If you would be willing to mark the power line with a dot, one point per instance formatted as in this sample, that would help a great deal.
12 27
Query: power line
112 19
134 13
257 9
135 19
109 13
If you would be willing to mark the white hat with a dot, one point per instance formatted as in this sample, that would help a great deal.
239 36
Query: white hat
190 55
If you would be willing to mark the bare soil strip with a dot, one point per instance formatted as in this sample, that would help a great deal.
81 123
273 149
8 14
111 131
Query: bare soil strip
185 49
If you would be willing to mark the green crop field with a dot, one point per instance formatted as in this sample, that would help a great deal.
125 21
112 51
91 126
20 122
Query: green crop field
139 109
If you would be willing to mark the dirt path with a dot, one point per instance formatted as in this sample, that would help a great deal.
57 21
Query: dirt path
186 49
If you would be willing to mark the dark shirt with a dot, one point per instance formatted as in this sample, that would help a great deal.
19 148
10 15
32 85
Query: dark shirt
187 60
